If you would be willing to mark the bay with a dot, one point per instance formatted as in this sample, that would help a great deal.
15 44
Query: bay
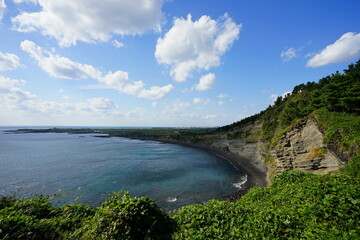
85 168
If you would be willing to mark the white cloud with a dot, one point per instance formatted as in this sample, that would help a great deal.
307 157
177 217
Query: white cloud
120 80
154 104
58 66
222 95
288 54
2 9
9 61
197 45
221 102
90 21
206 82
19 107
61 67
347 47
117 44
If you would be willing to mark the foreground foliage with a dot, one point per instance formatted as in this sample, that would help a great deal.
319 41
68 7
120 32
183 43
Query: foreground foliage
296 206
119 217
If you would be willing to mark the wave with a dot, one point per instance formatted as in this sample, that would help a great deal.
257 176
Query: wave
242 181
170 199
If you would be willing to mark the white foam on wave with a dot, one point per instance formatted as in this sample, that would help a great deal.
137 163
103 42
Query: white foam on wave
170 199
242 181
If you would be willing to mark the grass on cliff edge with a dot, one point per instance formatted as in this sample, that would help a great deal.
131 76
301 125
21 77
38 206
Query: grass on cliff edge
296 205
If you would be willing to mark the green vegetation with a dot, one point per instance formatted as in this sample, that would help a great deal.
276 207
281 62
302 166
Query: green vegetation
119 217
296 206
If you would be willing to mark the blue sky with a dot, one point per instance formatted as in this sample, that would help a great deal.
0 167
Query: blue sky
164 63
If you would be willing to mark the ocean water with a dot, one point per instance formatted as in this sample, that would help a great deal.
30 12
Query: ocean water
84 169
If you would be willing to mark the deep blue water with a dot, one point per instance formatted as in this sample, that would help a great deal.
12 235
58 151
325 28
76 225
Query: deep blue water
86 168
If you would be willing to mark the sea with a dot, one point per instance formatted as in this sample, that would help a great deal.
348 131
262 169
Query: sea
86 168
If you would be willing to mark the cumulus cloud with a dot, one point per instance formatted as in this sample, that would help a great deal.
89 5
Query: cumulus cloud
61 67
90 21
206 82
347 47
9 61
58 66
195 45
2 9
120 80
288 54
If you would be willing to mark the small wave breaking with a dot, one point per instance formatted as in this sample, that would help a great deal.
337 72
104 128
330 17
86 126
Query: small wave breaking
242 181
171 199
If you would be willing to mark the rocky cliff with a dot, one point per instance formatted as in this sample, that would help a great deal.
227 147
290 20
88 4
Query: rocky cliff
300 148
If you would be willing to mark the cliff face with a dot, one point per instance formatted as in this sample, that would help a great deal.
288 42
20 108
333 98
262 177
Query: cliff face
300 148
248 148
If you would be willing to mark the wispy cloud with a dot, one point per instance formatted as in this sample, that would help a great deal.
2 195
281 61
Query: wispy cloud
58 66
117 44
288 54
9 61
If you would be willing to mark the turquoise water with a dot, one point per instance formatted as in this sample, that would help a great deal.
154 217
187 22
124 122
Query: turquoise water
85 168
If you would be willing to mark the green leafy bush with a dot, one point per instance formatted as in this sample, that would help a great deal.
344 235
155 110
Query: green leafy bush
296 206
125 217
119 217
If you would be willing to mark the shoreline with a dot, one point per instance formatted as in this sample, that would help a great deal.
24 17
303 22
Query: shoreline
255 177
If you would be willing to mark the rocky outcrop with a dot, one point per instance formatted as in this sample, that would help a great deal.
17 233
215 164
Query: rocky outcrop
302 148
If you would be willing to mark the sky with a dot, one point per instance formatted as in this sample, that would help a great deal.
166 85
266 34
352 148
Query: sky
164 63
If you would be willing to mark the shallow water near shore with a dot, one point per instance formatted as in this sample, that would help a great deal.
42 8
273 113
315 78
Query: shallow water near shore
86 168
